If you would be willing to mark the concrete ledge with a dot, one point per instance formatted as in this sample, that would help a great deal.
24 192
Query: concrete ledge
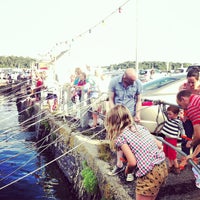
77 149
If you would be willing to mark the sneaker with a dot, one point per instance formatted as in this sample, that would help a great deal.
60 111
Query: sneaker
116 170
129 177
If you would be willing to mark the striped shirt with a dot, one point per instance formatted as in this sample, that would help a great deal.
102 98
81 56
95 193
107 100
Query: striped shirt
173 128
142 144
193 109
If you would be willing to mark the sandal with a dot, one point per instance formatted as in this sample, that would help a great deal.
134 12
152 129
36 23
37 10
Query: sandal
195 160
183 163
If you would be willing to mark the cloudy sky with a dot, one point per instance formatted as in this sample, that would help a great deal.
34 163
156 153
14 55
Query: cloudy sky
98 33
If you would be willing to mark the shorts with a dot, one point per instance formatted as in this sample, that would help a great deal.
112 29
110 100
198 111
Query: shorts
51 96
98 104
169 152
95 104
149 184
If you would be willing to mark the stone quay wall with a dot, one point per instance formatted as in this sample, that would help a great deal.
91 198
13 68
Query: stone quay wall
72 149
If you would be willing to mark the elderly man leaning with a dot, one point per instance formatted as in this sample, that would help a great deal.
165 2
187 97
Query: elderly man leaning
125 90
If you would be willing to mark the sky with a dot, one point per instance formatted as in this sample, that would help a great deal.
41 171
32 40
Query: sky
97 32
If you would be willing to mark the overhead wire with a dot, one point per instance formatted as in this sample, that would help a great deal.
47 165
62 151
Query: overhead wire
89 30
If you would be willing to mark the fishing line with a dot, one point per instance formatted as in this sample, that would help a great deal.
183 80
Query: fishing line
43 119
15 134
11 183
33 157
44 138
35 144
24 95
49 162
43 149
23 123
36 149
26 109
25 128
14 89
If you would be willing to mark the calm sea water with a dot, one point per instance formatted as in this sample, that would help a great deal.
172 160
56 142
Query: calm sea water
19 157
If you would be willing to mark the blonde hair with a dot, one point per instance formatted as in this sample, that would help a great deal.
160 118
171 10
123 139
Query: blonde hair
116 120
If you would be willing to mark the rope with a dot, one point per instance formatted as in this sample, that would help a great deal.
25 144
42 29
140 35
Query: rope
59 157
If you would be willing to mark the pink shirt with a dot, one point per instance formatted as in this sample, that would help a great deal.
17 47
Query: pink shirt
39 83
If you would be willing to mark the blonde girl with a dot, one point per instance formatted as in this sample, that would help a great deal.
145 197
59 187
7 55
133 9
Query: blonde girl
141 150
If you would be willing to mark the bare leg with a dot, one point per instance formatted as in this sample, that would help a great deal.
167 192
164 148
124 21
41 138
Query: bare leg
142 197
119 161
94 116
176 165
170 163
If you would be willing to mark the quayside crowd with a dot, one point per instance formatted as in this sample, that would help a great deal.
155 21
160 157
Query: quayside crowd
115 102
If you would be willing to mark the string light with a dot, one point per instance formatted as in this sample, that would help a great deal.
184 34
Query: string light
118 10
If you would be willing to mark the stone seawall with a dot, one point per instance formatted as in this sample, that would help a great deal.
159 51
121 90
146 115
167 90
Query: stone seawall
72 149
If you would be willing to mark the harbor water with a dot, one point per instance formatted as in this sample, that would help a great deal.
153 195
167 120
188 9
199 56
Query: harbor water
20 160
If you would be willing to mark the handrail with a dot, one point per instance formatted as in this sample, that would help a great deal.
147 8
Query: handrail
180 152
159 102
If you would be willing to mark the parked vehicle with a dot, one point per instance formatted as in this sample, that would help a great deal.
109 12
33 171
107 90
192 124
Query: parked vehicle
163 89
180 70
148 74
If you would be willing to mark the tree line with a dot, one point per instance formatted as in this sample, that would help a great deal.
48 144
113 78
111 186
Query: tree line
16 62
27 62
162 66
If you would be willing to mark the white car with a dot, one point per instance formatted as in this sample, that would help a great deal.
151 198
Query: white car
163 89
